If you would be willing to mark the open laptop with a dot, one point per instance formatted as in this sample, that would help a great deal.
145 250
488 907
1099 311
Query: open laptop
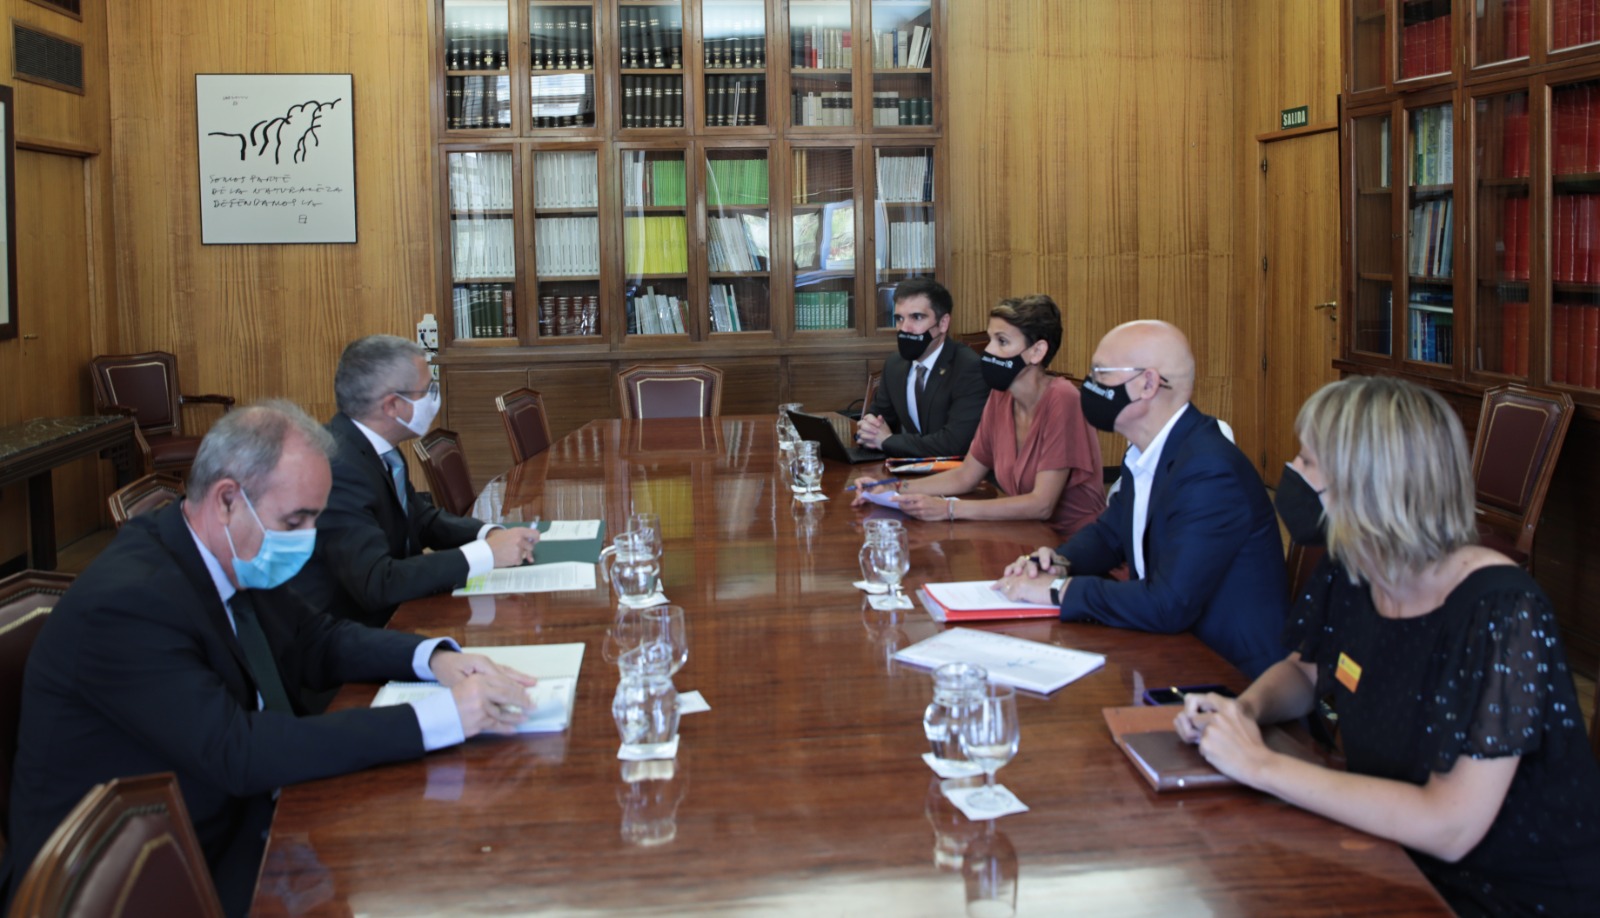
833 432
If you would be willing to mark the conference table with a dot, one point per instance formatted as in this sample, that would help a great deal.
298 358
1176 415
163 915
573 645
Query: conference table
802 790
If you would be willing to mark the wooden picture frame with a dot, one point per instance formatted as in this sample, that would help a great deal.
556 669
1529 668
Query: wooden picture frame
8 246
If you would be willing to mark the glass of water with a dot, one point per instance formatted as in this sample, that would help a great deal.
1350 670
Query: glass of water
787 435
891 559
633 567
645 709
808 476
957 687
989 734
649 524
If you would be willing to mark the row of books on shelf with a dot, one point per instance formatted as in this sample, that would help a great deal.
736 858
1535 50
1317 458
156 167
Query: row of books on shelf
561 37
653 182
1433 139
652 313
652 37
482 248
822 309
654 245
569 315
1514 15
566 179
567 246
1425 47
911 245
729 314
476 42
652 102
894 49
562 100
1432 327
484 311
1575 240
736 101
1514 239
1574 344
1514 338
477 102
1516 154
904 177
738 243
819 48
1573 22
480 181
1432 252
736 182
735 41
825 109
888 108
1574 129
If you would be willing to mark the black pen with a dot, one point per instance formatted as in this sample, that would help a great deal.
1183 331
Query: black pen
1053 565
872 484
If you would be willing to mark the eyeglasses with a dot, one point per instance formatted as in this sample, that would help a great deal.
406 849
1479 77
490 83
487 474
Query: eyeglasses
1097 374
431 392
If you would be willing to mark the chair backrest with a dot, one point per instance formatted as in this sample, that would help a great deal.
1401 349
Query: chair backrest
527 427
691 390
873 378
127 850
146 383
446 467
25 599
1520 431
1302 560
144 495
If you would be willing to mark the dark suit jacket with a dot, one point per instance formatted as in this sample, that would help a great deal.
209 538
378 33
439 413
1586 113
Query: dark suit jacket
1213 555
952 404
369 555
137 671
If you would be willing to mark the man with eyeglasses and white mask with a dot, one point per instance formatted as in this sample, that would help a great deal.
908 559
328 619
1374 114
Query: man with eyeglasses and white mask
177 650
1191 519
371 539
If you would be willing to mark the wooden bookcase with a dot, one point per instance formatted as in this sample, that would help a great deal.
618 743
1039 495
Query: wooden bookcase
732 182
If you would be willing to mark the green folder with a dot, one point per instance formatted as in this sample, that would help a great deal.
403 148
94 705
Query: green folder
586 551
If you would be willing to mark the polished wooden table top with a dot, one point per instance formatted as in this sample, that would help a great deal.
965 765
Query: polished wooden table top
802 790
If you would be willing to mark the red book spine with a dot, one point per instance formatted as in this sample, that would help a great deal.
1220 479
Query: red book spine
1591 346
1524 268
1575 344
1522 339
1561 26
1586 24
1560 316
1522 27
1508 238
1408 52
1445 45
1591 132
1583 265
1564 241
1508 337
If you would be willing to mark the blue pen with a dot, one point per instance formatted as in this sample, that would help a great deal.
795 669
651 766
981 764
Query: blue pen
872 484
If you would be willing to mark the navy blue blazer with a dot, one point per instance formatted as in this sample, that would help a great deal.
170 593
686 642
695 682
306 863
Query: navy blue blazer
369 556
1213 555
137 670
952 403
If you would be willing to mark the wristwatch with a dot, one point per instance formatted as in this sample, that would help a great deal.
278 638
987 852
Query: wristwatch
1055 590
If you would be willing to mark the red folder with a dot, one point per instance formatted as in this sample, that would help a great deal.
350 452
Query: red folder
1559 317
946 614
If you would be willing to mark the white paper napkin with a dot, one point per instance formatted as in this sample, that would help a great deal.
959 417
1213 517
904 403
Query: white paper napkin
692 703
874 588
668 751
887 603
960 794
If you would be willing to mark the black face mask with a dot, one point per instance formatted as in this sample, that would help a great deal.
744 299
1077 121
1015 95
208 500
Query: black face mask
912 347
1300 506
1103 404
1000 372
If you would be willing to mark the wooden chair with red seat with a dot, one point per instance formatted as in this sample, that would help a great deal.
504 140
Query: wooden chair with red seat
527 426
1520 431
145 386
445 464
127 849
25 599
691 390
144 495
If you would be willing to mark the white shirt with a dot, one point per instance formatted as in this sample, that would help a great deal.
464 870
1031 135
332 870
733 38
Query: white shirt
927 360
436 714
480 557
1143 465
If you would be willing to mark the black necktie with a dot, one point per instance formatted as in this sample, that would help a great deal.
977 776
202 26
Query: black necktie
258 654
922 387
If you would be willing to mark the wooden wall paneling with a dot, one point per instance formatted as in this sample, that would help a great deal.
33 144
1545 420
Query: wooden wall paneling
268 320
822 384
473 415
749 385
588 391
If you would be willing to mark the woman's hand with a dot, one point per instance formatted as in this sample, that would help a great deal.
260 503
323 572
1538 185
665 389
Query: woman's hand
924 506
860 493
1228 736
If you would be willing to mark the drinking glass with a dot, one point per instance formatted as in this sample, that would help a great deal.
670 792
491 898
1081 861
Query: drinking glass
989 868
633 567
874 529
787 435
989 734
624 635
891 558
802 448
650 524
645 709
808 476
666 627
957 687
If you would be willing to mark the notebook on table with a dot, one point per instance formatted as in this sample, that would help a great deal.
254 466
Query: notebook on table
833 433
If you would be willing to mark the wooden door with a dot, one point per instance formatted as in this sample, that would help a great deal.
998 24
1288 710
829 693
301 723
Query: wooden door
1300 244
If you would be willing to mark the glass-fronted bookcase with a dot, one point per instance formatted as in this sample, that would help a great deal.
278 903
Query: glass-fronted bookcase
1471 160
